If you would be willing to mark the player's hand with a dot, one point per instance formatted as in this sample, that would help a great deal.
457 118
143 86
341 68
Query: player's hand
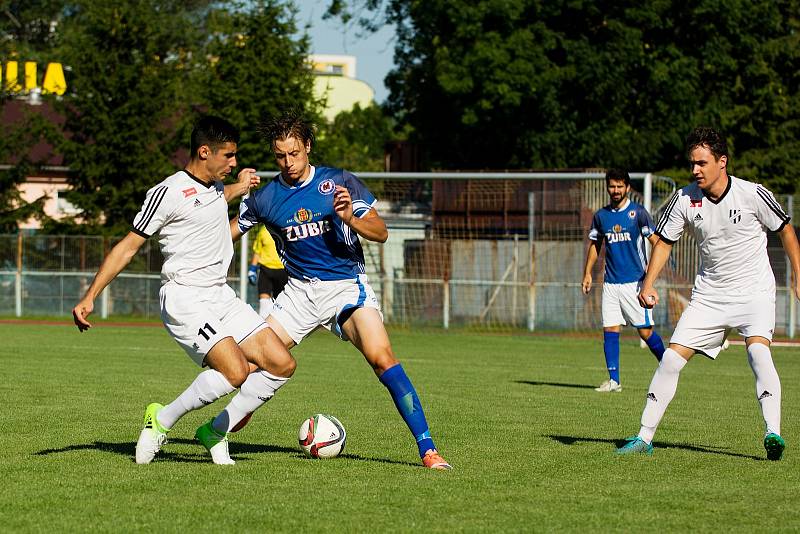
252 275
343 204
248 178
648 297
80 312
586 285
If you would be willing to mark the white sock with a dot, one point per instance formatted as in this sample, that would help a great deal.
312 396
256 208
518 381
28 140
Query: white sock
206 388
659 395
259 387
768 385
265 307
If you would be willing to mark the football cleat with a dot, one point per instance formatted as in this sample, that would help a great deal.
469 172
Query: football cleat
609 386
774 445
636 445
152 437
432 460
215 443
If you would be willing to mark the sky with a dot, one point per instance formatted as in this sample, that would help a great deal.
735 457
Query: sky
374 53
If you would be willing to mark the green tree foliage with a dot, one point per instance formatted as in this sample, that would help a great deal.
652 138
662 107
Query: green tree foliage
26 34
126 103
252 66
355 140
588 83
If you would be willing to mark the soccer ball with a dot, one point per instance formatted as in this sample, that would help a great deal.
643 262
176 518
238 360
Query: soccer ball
322 436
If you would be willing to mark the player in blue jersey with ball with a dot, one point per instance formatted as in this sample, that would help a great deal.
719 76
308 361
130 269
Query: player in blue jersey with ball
318 214
623 226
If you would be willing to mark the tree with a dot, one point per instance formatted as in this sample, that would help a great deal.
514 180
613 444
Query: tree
252 66
588 83
26 34
126 104
355 140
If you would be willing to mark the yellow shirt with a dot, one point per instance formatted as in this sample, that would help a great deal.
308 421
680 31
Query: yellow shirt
264 246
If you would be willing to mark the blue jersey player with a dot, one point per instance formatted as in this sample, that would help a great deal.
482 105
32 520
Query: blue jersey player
317 215
623 226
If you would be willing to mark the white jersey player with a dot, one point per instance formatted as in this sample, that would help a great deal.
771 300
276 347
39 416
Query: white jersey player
734 287
189 212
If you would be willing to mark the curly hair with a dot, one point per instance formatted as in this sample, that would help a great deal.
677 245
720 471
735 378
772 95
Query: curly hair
708 137
290 123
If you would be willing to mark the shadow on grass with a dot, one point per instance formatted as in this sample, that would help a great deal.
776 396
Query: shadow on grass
556 384
571 440
236 449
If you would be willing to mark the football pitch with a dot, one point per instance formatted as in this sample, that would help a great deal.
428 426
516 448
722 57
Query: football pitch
531 442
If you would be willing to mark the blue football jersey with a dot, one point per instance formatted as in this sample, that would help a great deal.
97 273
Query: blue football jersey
312 241
623 230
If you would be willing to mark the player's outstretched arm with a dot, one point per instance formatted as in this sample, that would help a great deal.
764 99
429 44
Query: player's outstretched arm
371 226
591 259
792 249
113 264
236 232
648 296
246 180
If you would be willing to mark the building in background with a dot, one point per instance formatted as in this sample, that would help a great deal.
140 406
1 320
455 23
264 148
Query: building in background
335 82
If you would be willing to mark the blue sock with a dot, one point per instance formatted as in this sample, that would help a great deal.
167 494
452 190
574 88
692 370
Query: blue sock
656 345
407 402
611 350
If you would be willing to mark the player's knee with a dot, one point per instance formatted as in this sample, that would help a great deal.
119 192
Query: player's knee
236 374
381 358
284 367
276 360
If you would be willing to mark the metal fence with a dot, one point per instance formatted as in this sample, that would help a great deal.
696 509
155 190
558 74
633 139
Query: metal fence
438 268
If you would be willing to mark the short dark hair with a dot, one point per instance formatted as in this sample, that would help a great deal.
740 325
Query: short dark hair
618 174
290 123
708 137
214 132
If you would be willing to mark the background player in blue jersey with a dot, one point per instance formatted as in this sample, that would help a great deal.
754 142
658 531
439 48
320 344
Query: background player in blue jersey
623 226
318 215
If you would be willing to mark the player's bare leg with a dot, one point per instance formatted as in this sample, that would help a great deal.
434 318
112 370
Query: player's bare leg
271 366
365 330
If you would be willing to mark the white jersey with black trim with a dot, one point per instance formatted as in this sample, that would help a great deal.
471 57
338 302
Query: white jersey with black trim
731 237
191 219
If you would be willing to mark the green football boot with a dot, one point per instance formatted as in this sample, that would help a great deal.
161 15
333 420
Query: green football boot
215 443
774 445
152 437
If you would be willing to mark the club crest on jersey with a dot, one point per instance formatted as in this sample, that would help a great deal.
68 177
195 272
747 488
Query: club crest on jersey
632 214
735 216
189 192
303 216
695 202
326 187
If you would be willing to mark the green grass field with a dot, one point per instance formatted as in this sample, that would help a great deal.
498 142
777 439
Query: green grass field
531 442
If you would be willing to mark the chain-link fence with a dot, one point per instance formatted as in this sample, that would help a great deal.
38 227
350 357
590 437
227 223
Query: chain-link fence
458 254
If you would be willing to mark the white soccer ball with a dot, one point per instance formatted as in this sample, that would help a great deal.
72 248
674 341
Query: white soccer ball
322 436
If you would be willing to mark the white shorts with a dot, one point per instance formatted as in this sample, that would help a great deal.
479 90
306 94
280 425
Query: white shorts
306 304
621 306
703 323
199 317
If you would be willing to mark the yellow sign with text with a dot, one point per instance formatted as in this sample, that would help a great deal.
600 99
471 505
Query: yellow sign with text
52 83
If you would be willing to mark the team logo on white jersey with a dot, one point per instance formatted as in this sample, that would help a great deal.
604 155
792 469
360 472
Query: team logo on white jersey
735 216
303 216
189 192
326 187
